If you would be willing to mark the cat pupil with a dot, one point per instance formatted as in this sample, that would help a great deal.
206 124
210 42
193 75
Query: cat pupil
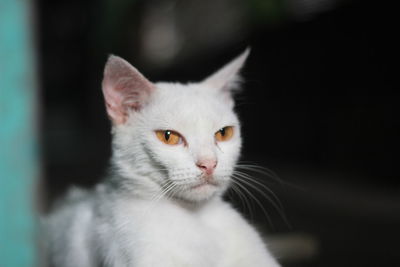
167 134
222 131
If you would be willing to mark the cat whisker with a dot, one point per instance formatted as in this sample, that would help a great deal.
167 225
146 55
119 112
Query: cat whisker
259 169
252 183
237 182
243 199
252 167
254 180
164 191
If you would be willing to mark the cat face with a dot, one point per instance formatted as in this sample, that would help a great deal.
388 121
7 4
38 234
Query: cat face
198 163
183 140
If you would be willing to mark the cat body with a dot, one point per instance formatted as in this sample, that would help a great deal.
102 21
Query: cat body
107 229
175 147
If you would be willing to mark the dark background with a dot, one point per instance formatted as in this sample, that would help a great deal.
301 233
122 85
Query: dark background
319 106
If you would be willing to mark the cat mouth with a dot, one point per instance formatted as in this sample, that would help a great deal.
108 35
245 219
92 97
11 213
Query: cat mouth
204 184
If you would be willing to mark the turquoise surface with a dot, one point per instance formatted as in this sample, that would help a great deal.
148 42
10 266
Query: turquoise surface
18 138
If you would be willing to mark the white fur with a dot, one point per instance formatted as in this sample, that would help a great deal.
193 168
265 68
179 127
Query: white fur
127 221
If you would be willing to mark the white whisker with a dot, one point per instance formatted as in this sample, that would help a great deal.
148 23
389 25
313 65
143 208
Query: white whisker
252 179
256 200
243 199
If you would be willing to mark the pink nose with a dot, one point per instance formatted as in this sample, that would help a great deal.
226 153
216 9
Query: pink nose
207 166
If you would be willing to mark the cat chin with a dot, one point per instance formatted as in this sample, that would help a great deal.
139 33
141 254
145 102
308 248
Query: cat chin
201 192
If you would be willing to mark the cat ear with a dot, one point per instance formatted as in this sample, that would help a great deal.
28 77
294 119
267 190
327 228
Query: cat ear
227 78
124 89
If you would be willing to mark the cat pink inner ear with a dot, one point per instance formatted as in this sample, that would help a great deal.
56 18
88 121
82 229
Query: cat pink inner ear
227 78
124 89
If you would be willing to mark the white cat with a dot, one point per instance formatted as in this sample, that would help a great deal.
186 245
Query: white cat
175 147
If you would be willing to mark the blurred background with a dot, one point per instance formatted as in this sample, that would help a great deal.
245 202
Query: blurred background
319 107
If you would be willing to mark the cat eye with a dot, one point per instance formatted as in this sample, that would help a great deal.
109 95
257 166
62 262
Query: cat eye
224 134
169 137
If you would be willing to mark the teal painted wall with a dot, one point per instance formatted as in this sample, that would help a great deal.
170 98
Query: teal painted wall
18 139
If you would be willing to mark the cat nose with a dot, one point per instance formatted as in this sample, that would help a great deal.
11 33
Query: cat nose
207 166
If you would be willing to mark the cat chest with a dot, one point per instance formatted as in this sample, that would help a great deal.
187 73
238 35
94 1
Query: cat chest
177 237
186 235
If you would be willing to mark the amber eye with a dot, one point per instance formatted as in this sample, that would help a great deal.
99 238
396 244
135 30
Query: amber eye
169 137
224 134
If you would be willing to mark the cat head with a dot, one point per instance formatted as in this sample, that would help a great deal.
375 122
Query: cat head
180 139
